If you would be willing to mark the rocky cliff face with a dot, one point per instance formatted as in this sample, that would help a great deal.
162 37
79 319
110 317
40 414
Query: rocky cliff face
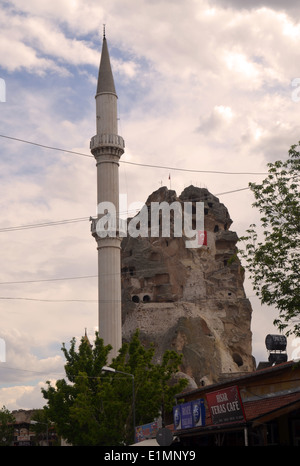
191 300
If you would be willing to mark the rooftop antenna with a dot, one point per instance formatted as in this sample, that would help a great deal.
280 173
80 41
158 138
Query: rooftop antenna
103 31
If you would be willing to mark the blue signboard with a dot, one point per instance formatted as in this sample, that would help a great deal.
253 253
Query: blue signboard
188 415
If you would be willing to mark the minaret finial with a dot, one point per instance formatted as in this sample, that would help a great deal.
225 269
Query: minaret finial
103 31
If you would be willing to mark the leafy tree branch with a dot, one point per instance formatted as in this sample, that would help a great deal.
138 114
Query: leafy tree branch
274 261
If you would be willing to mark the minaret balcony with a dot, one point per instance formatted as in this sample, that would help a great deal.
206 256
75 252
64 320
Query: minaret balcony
112 142
118 229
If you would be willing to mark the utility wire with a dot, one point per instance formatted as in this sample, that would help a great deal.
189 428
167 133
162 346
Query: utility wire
28 370
44 146
44 224
51 300
48 280
84 219
66 221
55 222
134 163
200 300
124 271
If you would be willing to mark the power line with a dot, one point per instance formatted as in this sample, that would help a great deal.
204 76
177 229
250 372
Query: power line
233 191
48 280
4 366
55 222
84 219
190 170
50 300
44 146
66 221
28 370
43 224
200 300
125 270
75 220
121 272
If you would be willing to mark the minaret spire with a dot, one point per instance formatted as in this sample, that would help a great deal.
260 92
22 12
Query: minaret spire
105 76
107 147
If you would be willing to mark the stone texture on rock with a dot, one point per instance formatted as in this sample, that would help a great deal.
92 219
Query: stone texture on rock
191 300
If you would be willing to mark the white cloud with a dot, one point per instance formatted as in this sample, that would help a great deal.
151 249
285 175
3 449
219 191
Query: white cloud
218 121
23 397
76 16
238 63
19 355
39 45
289 6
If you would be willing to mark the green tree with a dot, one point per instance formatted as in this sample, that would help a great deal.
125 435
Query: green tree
7 421
93 407
274 261
41 426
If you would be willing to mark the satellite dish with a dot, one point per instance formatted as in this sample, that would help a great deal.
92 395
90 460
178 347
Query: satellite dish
164 437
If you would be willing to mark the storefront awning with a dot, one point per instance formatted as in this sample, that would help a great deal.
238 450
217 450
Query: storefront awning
146 443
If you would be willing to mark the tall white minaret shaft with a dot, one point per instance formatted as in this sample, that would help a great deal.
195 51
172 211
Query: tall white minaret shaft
107 148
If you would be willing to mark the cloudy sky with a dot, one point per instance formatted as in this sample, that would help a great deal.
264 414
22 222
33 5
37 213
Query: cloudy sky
208 93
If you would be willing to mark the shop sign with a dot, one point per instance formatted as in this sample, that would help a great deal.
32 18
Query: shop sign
225 405
146 431
188 415
23 438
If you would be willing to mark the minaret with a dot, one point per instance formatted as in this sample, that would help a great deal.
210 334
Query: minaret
107 148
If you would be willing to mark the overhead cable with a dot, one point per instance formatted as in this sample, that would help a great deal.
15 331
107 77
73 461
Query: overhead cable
190 170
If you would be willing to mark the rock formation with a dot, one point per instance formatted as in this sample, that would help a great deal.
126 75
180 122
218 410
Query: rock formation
191 300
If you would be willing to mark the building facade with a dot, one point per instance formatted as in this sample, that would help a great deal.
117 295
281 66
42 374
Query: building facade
258 409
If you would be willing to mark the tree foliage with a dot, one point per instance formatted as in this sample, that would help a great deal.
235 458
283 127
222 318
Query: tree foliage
93 407
274 262
41 426
7 421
